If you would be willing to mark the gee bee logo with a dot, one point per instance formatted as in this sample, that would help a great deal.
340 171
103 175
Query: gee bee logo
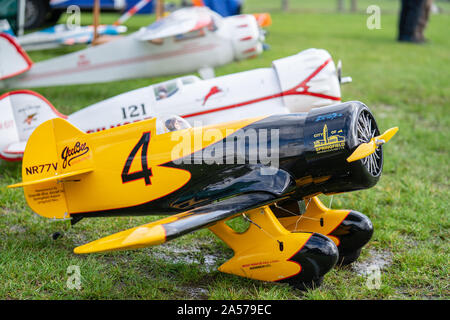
68 154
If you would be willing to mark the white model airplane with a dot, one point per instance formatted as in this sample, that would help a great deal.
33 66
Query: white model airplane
60 35
293 84
188 40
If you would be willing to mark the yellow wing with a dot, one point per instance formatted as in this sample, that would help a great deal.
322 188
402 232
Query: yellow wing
160 231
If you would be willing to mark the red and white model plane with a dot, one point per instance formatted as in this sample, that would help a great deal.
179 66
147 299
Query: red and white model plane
188 40
296 83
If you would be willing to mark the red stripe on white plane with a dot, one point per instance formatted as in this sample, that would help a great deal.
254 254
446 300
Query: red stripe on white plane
293 91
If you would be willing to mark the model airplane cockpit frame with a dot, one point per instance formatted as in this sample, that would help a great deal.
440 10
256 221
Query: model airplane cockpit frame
188 40
296 83
201 177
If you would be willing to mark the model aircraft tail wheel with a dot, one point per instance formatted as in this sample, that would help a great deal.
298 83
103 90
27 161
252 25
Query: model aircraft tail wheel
318 256
353 233
56 235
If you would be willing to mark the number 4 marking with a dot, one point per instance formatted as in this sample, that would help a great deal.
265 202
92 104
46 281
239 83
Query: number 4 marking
146 172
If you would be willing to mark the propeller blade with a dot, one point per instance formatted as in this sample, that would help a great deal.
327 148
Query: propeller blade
366 149
363 150
388 134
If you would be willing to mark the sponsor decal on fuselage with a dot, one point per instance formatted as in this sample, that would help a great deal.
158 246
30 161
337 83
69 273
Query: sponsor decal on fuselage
326 140
259 265
330 116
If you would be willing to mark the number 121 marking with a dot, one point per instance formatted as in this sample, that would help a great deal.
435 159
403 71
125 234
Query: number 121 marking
133 111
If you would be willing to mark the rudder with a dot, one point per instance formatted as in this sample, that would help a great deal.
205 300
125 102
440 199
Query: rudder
13 59
55 151
21 112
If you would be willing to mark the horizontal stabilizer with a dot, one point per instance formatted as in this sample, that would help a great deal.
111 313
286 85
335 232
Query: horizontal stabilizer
174 226
56 177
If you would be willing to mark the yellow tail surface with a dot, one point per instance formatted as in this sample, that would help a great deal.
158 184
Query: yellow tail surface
56 151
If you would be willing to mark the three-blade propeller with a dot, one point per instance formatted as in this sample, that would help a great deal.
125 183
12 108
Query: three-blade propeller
366 149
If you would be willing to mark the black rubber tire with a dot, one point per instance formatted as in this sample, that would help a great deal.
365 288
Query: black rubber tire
56 235
35 13
349 258
53 17
303 286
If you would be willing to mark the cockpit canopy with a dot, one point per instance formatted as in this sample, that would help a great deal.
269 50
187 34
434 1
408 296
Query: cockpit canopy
182 24
169 123
169 88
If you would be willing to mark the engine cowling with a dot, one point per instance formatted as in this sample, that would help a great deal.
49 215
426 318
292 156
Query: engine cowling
247 37
308 80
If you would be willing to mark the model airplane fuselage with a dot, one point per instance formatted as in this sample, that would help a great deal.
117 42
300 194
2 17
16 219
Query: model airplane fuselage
202 177
293 84
188 40
64 35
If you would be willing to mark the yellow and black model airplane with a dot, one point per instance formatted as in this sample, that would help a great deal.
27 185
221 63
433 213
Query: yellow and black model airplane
261 168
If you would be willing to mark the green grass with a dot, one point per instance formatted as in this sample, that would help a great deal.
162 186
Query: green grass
386 6
404 85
